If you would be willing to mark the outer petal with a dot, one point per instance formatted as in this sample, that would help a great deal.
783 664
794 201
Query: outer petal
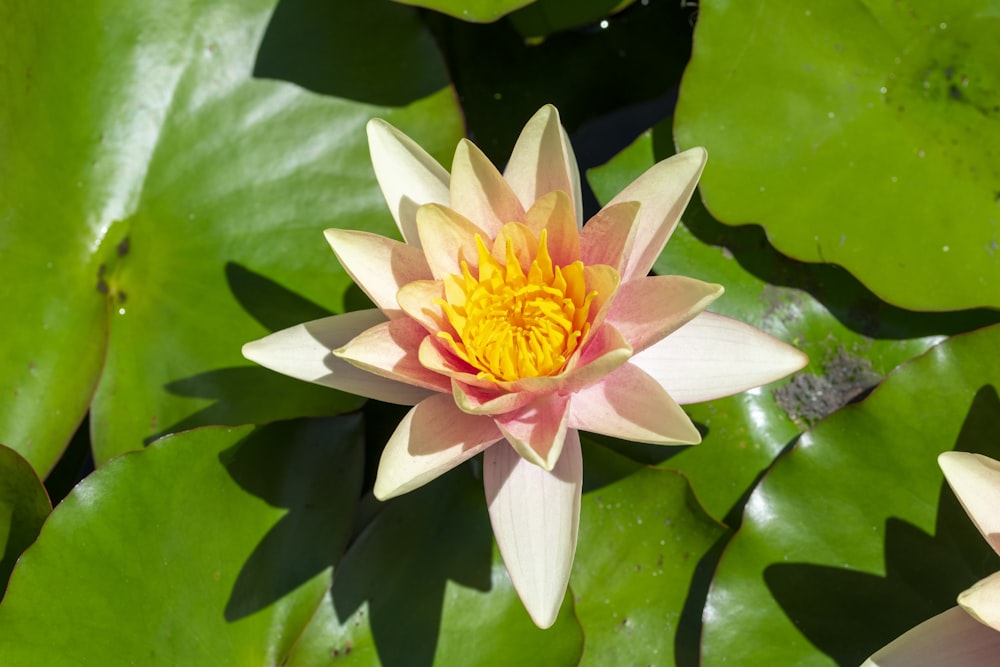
379 266
447 238
408 175
609 236
433 438
713 356
629 404
982 601
663 192
975 479
479 192
390 350
543 161
953 638
647 309
535 516
303 352
537 431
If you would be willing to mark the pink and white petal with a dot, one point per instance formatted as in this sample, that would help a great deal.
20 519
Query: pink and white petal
447 239
554 213
418 300
538 430
604 353
975 479
304 352
982 600
543 161
432 438
646 310
435 356
408 176
714 356
663 192
380 266
630 405
480 401
479 192
536 516
609 236
952 638
604 280
390 350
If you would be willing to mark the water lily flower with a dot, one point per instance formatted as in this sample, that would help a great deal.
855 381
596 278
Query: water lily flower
508 327
967 635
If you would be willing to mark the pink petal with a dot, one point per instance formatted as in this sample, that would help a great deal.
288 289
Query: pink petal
982 600
417 299
390 350
663 192
538 430
975 479
433 438
479 401
645 310
435 356
554 213
408 175
543 161
952 638
303 352
630 405
535 516
379 265
609 236
713 356
447 239
479 192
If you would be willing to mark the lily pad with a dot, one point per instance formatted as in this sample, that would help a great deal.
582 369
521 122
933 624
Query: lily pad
875 146
636 582
846 331
853 537
161 207
210 547
479 11
544 17
421 580
23 508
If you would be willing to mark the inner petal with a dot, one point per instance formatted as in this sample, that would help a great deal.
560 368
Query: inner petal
521 319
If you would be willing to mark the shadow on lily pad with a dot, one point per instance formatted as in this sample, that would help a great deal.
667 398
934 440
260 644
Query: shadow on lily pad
371 51
312 468
849 614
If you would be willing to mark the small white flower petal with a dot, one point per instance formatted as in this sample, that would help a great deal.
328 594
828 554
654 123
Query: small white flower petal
975 479
663 193
543 161
982 601
535 516
952 638
434 437
714 356
304 352
408 176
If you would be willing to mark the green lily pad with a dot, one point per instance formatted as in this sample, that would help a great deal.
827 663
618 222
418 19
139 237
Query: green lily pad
211 547
849 334
853 537
545 17
875 146
478 11
421 581
636 585
162 207
23 508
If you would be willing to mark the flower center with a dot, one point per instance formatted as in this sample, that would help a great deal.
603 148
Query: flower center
513 324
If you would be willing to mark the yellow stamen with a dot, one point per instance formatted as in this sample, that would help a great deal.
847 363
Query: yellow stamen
512 323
